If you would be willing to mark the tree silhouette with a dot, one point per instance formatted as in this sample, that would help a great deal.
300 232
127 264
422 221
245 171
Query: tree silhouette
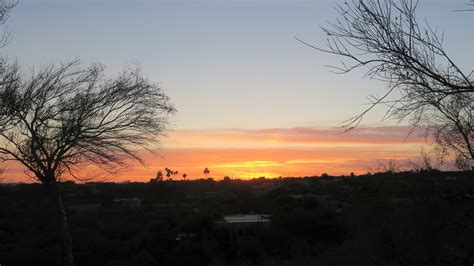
63 118
470 7
159 176
425 85
5 8
206 171
169 172
184 176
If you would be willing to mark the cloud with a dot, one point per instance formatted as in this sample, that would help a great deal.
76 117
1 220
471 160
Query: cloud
294 137
273 152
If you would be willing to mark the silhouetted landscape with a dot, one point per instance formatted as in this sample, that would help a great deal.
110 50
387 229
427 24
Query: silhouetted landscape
409 218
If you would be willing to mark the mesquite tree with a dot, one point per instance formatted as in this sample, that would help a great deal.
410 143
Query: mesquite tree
61 119
5 8
425 85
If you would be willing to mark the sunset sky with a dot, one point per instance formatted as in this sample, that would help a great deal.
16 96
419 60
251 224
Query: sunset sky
252 101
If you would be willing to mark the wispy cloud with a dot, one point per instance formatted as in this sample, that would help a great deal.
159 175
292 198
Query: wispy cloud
273 152
293 137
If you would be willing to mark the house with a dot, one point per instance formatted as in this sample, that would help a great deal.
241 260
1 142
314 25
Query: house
245 219
242 224
132 202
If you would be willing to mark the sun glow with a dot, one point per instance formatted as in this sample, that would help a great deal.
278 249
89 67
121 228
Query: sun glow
248 154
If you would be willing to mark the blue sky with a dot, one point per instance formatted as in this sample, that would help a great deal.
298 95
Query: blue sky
225 64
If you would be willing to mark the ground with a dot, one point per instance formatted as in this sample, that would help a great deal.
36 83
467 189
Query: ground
411 218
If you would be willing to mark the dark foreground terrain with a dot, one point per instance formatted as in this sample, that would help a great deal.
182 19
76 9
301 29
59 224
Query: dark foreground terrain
422 218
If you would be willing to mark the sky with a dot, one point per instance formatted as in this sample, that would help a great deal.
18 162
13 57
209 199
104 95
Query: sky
252 100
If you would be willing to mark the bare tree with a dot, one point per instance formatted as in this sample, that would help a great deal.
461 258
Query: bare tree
64 118
425 85
470 7
425 162
452 128
2 171
5 8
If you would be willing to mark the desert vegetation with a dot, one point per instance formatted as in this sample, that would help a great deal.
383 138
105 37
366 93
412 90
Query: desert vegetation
385 218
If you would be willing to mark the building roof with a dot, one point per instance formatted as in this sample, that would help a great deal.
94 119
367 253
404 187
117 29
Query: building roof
246 218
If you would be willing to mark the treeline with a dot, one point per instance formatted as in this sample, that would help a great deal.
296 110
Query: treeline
424 218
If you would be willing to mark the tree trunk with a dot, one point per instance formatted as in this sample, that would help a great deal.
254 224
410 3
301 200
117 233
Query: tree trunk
65 240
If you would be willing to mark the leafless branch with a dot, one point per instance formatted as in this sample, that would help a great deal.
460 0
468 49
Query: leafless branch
64 117
425 86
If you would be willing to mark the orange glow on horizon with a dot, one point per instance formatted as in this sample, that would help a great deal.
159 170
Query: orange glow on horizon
270 153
